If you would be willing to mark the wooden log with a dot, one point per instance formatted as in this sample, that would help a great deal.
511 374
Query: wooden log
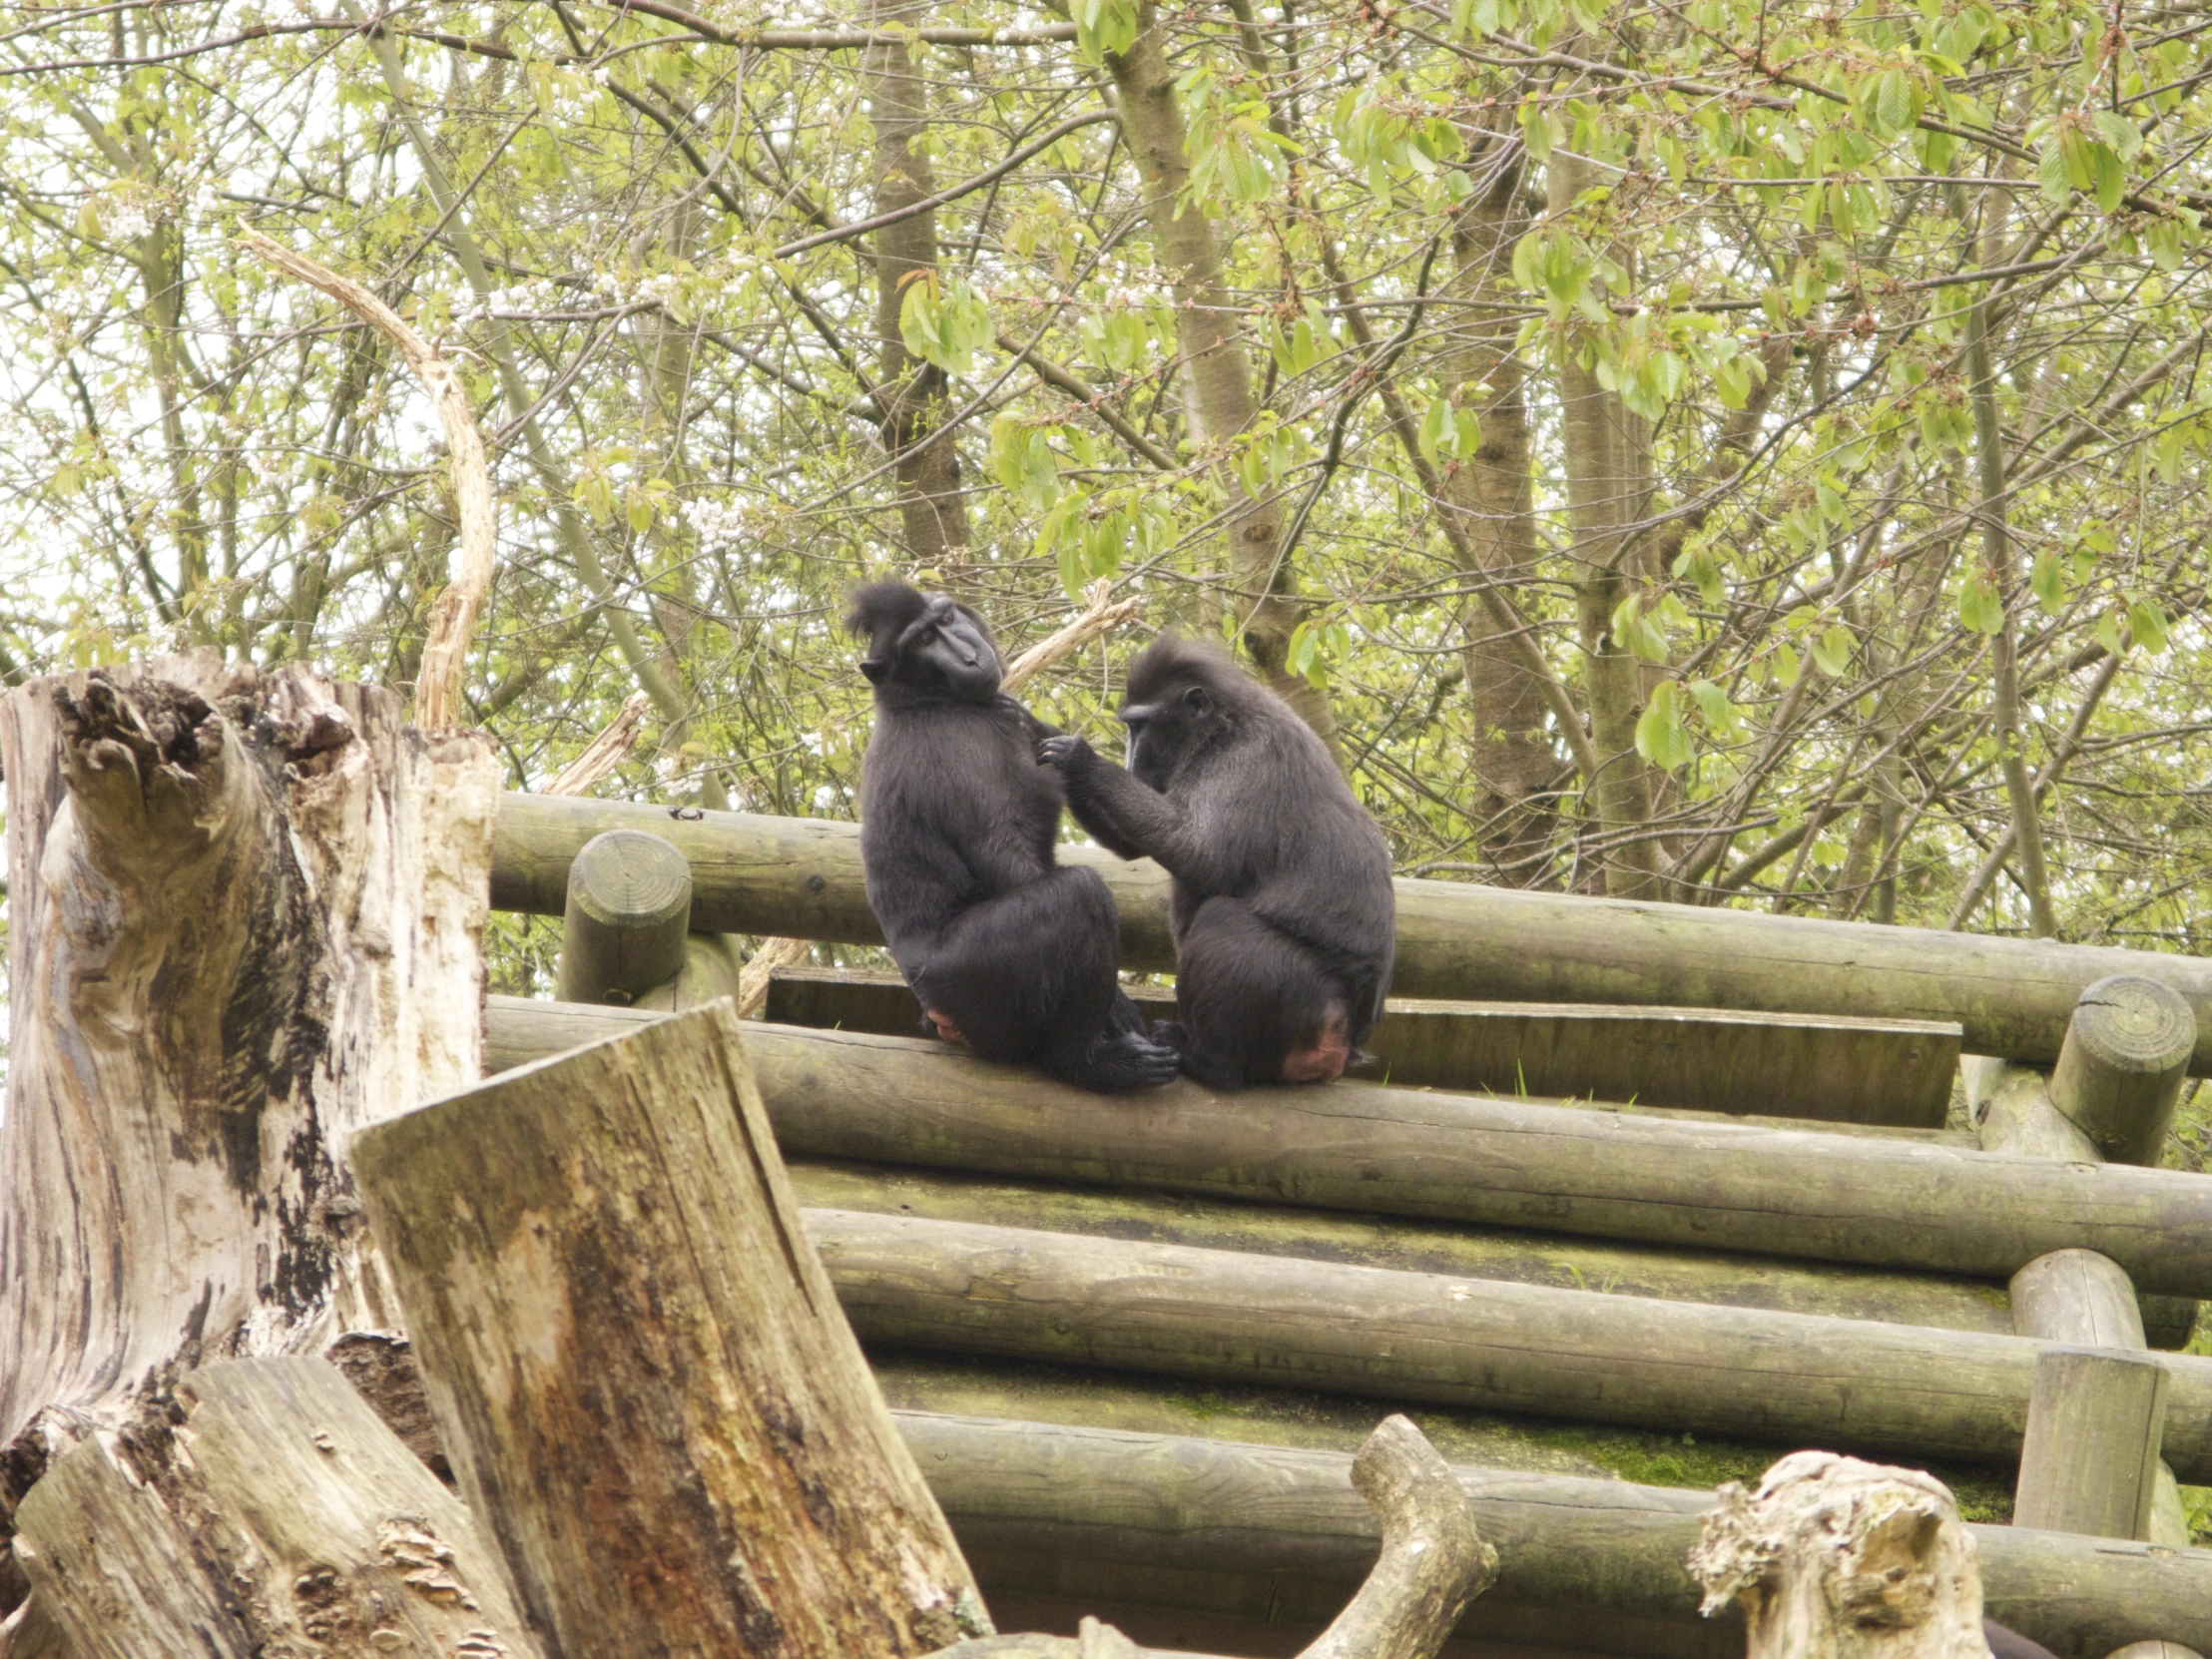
626 919
2122 1065
2078 1298
2014 998
2153 1650
246 918
713 966
1876 1199
639 1370
1210 1518
2014 1113
1836 1557
2095 1425
1180 1311
267 1512
1833 1068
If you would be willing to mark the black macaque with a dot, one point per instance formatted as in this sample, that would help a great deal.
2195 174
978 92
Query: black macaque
1008 953
1284 918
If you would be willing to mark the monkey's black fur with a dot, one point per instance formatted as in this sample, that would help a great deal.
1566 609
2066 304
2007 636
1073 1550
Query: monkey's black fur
1284 922
2011 1644
1007 952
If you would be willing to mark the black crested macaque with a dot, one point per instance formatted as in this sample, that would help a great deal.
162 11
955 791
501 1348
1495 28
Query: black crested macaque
1008 953
2011 1644
1284 918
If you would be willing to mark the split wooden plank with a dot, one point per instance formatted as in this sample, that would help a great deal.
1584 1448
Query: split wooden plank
1833 1068
640 1372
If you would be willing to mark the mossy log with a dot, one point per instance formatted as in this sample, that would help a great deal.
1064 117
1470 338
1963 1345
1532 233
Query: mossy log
802 878
2095 1420
1400 1337
1876 1199
1176 1520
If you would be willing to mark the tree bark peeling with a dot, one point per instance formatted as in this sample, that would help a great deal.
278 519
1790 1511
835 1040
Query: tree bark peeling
246 919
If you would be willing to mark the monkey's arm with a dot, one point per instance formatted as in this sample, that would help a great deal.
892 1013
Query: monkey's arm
1129 818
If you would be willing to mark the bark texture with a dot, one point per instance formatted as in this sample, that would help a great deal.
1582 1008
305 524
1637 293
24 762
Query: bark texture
640 1371
1833 1558
246 919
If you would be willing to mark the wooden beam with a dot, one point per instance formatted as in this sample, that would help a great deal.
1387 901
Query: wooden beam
1216 1523
2095 1420
1832 1068
2014 998
1222 1314
640 1372
1876 1198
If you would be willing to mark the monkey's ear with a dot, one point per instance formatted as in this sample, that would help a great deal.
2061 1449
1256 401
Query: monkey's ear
875 669
1197 700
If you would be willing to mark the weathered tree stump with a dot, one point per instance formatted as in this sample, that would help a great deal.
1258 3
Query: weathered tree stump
640 1371
266 1510
628 915
246 919
2121 1070
1833 1558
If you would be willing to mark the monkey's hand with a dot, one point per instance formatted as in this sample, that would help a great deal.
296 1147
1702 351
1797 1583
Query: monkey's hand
1068 751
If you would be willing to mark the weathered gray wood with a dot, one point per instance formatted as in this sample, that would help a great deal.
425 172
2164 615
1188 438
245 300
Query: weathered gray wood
2122 1065
2095 1424
1833 1557
639 1370
626 917
2014 1113
277 1514
711 967
1175 1311
245 916
1831 1068
801 876
1277 1526
2078 1298
1433 1561
1876 1199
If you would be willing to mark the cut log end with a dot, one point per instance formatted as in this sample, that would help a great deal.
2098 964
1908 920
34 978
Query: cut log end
1835 1557
2134 1024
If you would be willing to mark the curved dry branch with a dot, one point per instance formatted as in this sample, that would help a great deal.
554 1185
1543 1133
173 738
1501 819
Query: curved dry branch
439 685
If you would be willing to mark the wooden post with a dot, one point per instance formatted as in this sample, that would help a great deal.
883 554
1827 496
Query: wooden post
628 915
266 1510
2095 1422
2122 1065
640 1371
2079 1298
245 917
1833 1557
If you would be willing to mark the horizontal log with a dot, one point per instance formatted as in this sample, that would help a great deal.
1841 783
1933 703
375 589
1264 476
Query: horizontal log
1832 1068
1905 1392
801 876
1199 1517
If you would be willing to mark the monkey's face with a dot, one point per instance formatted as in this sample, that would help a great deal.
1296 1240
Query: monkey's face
1162 732
946 648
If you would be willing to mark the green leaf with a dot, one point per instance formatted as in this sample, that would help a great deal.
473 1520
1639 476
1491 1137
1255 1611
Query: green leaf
2119 132
2050 174
1979 606
1787 668
2048 580
2165 453
1435 422
1831 651
1894 101
1661 737
2146 623
2112 635
1722 717
2111 179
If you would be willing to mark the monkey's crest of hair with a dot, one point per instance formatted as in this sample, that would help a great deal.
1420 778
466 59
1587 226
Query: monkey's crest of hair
1173 661
881 605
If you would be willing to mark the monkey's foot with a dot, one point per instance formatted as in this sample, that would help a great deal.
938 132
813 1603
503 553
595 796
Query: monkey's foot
1323 1059
950 1032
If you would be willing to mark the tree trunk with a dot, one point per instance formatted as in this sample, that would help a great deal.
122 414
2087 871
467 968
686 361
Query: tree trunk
1492 492
1833 1558
639 1369
247 913
266 1509
911 394
1219 375
1608 462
